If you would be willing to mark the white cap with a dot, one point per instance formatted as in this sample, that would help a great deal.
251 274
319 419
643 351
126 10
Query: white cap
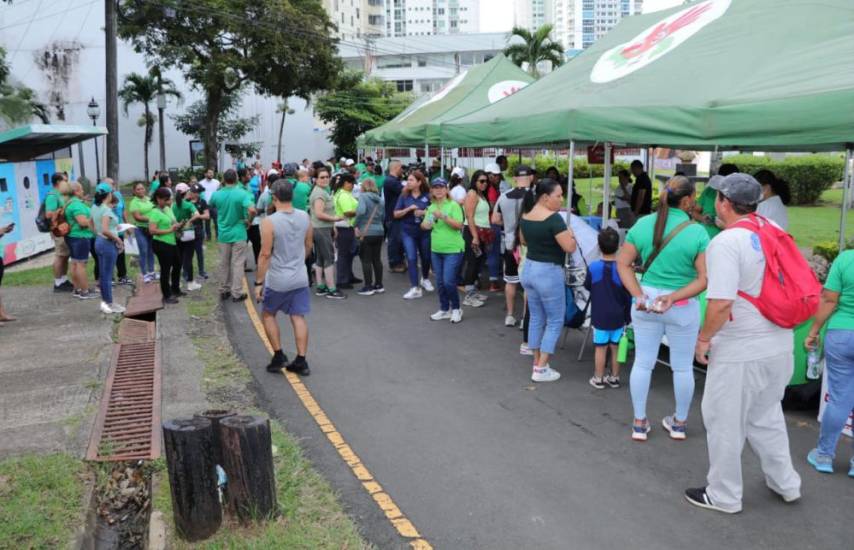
342 159
272 172
492 168
459 172
349 162
182 188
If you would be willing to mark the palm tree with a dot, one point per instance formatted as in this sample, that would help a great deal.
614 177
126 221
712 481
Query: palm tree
537 47
166 88
139 88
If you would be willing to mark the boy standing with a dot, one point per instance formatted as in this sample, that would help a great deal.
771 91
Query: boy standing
611 305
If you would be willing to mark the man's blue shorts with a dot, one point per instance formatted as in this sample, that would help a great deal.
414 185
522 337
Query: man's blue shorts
293 302
605 337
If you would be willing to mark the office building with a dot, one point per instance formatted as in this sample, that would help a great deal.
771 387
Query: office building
533 14
431 17
579 23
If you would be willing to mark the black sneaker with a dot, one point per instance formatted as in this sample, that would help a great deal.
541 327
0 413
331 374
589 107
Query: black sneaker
300 368
178 293
698 497
204 276
66 286
124 281
276 366
335 295
225 295
379 289
240 298
170 300
367 291
321 291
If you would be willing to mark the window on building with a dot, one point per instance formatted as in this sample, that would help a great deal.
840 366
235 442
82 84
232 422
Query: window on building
403 85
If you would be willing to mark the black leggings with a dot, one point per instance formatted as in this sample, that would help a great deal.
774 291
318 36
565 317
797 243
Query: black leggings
170 268
186 250
254 234
370 252
345 242
473 264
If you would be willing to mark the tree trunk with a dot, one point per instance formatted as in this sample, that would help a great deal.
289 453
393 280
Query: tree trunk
192 477
216 416
281 132
145 141
247 454
211 147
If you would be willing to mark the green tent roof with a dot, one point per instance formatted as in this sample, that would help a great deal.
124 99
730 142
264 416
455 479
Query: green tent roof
749 74
469 91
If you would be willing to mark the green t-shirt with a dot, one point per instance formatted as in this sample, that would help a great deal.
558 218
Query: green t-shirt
540 237
231 203
97 213
53 201
74 208
707 203
184 212
163 219
444 239
841 280
674 266
301 192
345 202
155 185
320 193
142 206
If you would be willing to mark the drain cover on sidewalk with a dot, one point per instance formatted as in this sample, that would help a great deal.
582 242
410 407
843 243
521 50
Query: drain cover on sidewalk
128 422
133 331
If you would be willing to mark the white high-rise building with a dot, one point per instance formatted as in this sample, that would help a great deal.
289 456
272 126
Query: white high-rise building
347 16
430 17
579 23
533 14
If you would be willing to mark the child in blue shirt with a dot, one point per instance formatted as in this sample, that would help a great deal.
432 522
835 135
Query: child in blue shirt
610 309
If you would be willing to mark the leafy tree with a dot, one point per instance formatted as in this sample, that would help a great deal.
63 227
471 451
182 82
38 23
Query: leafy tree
230 129
282 47
358 106
536 48
18 104
144 89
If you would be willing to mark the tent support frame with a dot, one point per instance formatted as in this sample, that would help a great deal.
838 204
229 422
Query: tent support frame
846 196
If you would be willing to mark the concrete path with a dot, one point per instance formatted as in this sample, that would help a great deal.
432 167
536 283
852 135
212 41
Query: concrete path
476 456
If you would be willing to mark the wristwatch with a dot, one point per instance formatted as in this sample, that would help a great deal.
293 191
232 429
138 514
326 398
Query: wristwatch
259 284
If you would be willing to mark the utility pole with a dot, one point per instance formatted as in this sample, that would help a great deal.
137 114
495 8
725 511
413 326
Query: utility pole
161 108
112 106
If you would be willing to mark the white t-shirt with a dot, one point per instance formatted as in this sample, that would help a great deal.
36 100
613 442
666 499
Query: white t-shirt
458 193
735 262
620 200
210 187
774 209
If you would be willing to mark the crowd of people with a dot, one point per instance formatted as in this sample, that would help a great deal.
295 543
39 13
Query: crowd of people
306 223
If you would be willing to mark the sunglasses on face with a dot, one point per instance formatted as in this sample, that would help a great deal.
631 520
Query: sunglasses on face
483 180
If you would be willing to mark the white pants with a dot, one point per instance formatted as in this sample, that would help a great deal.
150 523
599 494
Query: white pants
742 400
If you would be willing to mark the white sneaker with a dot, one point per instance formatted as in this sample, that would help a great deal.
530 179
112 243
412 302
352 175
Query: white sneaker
544 374
456 316
116 308
441 315
427 285
509 321
481 297
413 293
472 301
193 285
106 309
525 350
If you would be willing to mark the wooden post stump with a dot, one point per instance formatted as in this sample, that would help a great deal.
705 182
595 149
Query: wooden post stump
216 416
247 453
192 477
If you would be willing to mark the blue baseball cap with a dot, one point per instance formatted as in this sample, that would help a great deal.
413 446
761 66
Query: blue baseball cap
104 187
439 182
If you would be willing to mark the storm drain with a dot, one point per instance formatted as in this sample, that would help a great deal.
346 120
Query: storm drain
128 423
133 331
146 301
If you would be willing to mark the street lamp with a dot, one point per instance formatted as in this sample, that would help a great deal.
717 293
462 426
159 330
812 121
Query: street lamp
94 111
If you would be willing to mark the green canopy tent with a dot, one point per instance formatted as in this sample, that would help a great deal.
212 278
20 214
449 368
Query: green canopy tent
468 91
772 75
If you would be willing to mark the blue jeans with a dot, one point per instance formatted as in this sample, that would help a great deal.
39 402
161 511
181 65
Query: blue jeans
493 254
107 256
446 266
199 246
146 251
416 243
681 324
839 354
395 244
544 286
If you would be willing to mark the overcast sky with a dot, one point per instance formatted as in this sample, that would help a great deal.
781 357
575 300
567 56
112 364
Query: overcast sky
498 17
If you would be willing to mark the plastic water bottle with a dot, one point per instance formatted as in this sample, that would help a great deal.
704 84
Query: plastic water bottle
814 366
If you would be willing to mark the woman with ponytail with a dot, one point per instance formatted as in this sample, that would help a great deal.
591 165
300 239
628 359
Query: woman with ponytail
548 240
671 249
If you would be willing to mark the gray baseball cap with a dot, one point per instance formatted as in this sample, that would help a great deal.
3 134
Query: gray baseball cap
715 182
741 189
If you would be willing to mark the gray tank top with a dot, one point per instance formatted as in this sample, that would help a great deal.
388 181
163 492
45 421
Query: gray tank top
287 265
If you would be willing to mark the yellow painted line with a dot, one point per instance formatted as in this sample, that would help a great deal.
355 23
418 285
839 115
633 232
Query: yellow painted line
385 503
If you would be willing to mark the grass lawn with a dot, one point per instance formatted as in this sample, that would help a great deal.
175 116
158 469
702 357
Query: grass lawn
40 501
43 276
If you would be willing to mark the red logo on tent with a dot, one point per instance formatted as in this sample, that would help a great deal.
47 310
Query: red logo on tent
664 30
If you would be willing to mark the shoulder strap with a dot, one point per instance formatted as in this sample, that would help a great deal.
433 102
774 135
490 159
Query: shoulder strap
370 221
676 230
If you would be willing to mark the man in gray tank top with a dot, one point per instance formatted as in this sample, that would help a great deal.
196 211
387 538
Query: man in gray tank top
281 281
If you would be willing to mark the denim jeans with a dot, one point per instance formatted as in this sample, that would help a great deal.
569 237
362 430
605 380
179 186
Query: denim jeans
416 243
345 242
446 266
395 244
107 256
146 251
681 324
544 285
839 354
493 254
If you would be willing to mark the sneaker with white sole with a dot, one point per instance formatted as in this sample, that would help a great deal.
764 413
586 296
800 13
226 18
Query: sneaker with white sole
677 431
822 463
481 297
472 301
698 497
441 315
525 350
598 383
456 315
544 374
613 381
413 293
640 431
509 321
105 308
193 285
427 285
116 308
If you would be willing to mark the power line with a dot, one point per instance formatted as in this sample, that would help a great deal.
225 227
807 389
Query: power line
54 14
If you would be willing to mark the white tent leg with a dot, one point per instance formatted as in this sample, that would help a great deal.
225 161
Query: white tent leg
442 163
846 191
650 169
570 177
606 188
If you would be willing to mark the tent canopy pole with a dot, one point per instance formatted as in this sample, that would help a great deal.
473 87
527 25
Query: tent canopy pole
570 177
606 188
846 192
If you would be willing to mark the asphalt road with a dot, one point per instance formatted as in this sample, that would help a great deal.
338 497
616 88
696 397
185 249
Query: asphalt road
447 420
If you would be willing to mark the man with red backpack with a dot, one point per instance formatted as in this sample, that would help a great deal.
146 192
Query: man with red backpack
759 287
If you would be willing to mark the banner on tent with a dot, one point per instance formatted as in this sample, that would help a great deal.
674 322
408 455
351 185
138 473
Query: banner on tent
596 154
848 429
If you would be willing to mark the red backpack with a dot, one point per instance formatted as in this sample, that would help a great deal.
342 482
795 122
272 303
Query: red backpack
790 290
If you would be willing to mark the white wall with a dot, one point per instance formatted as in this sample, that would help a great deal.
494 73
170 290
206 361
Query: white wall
76 26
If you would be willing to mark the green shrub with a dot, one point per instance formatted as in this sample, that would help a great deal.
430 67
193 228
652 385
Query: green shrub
580 167
829 250
808 176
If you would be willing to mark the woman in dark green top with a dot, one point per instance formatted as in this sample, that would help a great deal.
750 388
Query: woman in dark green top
548 239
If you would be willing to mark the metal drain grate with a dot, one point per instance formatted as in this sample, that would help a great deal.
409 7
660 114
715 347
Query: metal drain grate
145 301
128 422
133 331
